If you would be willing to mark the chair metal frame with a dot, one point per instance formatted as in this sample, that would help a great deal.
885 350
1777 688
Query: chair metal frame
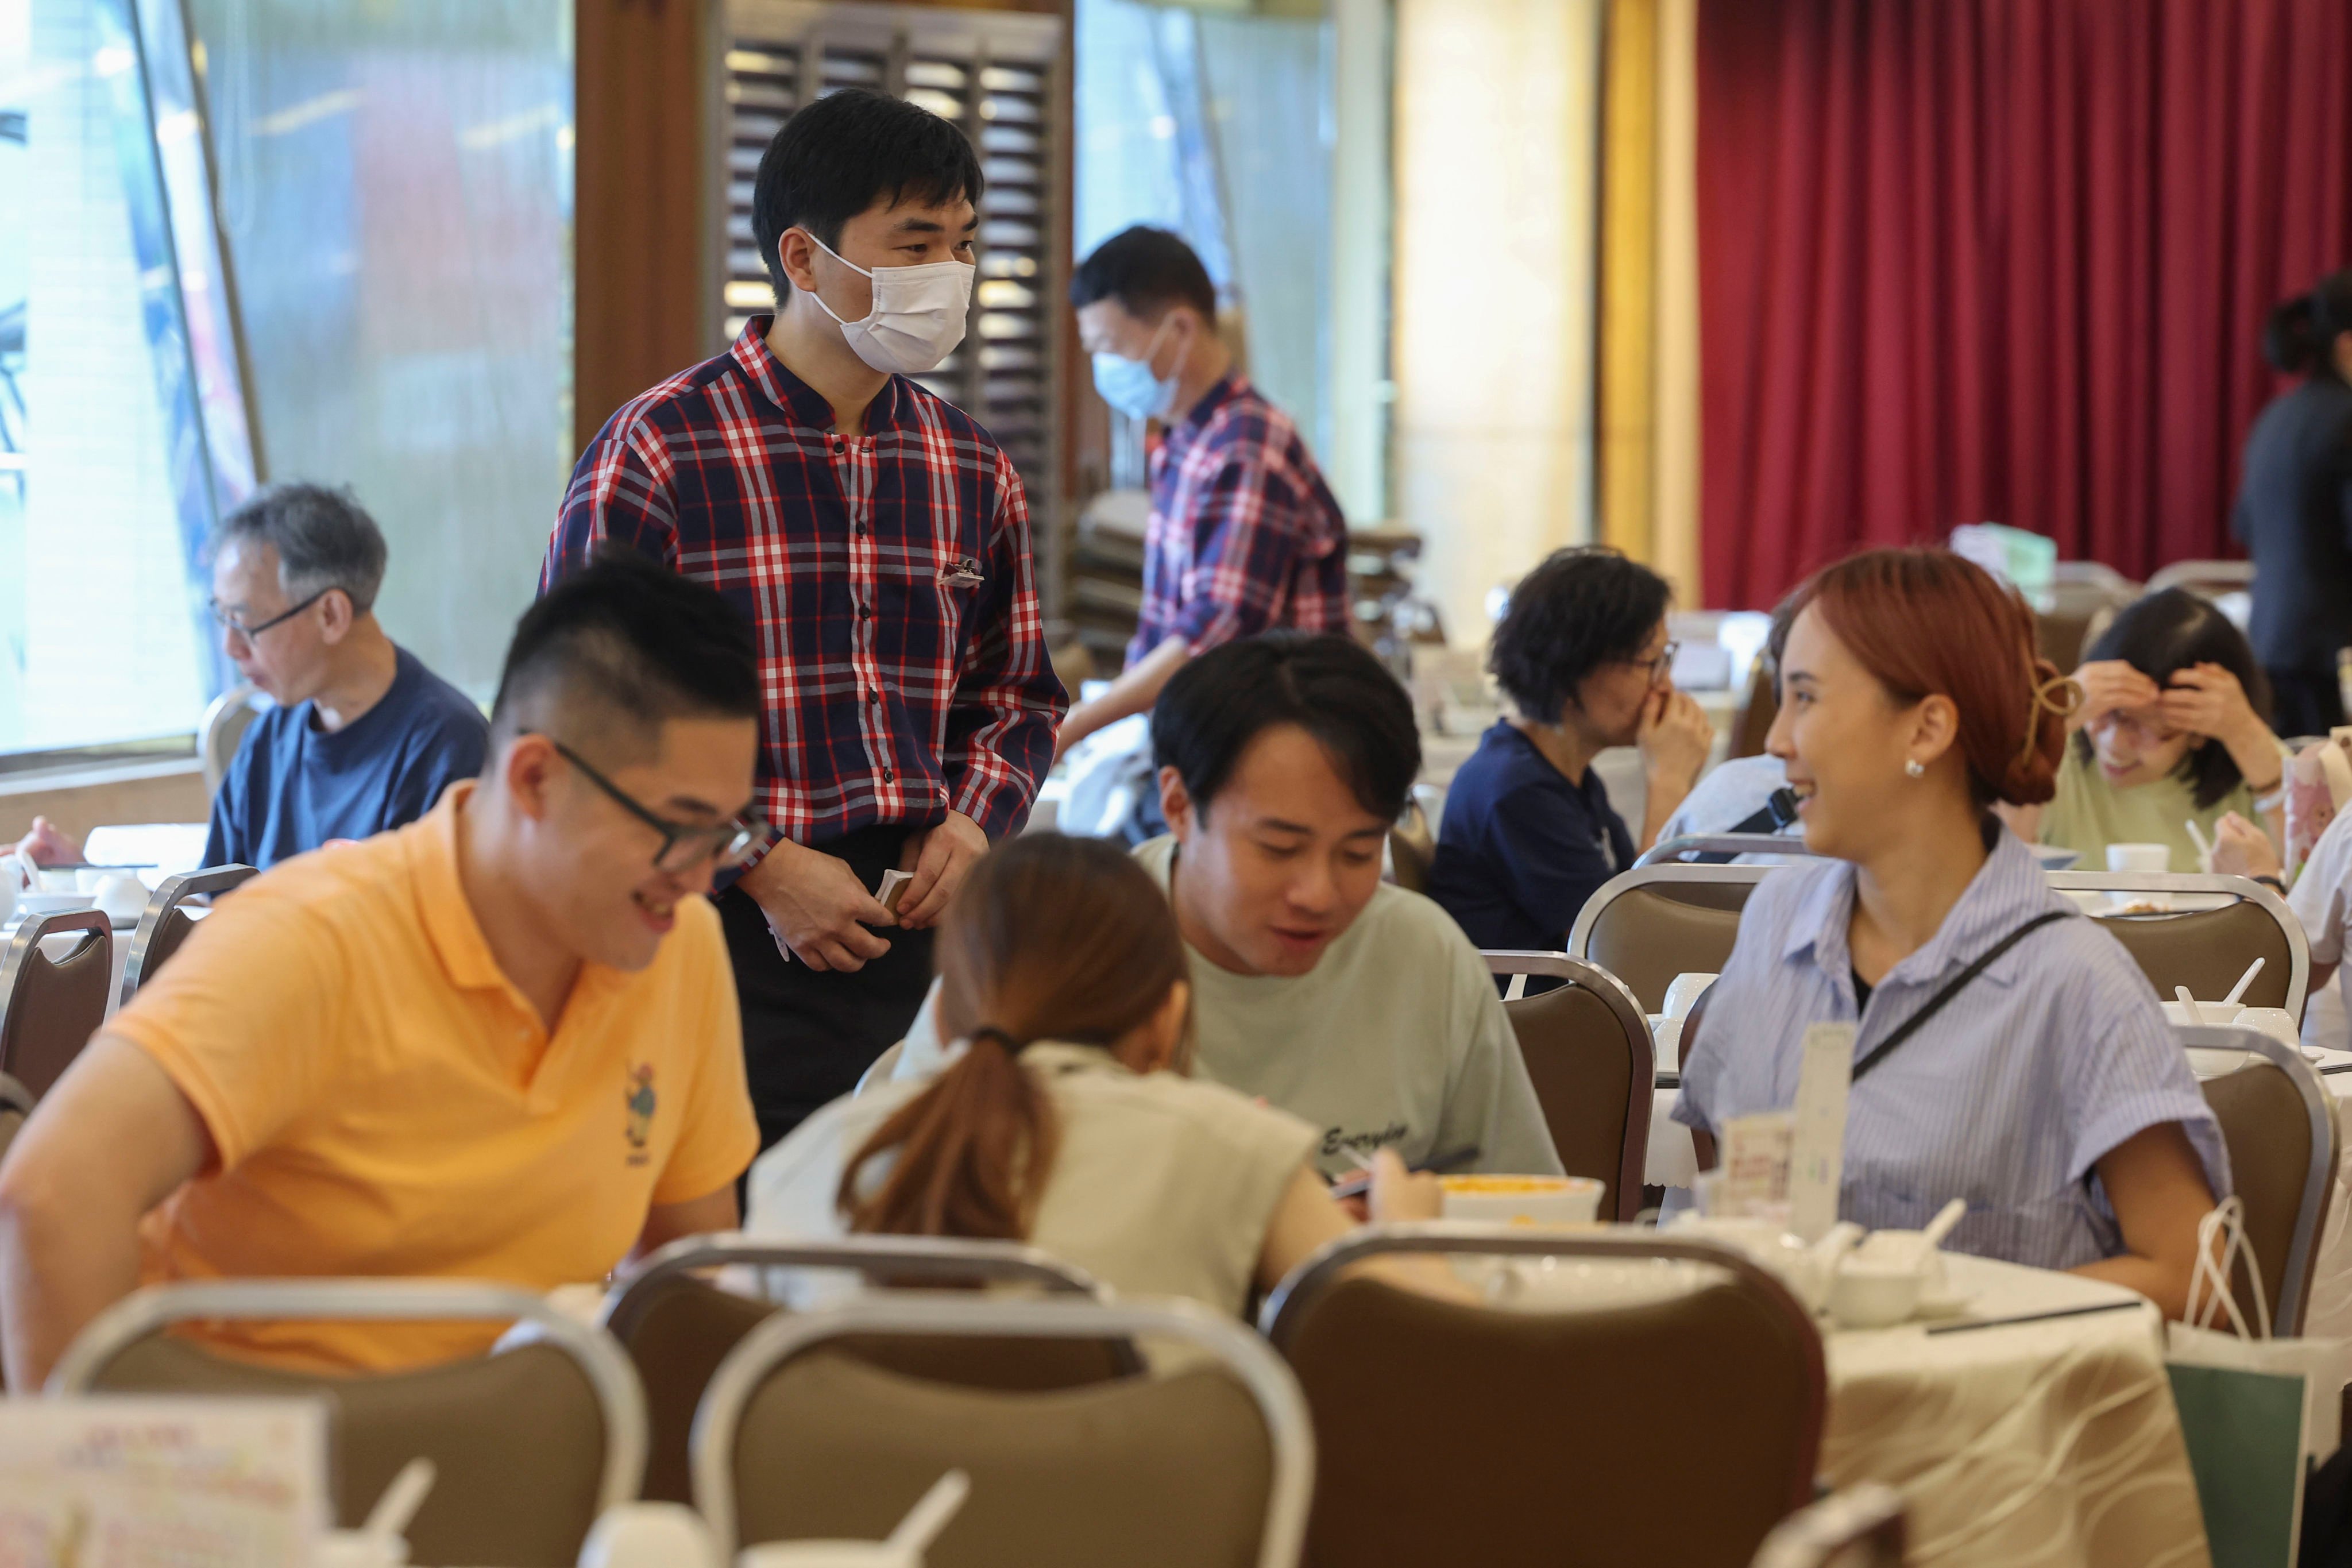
935 1261
15 1096
599 1357
2318 1182
2199 576
1277 1319
1667 851
2244 888
1621 1000
34 929
1869 1515
1579 936
168 896
936 1313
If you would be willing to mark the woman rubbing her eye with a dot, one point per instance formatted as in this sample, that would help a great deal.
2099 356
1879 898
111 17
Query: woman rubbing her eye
2048 1094
2169 730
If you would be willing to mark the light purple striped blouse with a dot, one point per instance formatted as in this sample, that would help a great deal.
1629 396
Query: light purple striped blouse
2007 1098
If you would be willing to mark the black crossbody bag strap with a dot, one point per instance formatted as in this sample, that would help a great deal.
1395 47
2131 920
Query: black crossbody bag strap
1959 982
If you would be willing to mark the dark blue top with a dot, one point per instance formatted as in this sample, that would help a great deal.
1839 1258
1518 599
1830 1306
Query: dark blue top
2294 517
1521 847
293 787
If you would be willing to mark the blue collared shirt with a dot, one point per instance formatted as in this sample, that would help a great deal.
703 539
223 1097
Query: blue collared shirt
2007 1098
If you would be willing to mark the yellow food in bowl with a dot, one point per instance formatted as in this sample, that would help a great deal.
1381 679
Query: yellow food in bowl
1503 1187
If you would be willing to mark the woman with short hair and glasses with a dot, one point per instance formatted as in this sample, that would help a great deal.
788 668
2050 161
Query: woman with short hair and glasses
1528 832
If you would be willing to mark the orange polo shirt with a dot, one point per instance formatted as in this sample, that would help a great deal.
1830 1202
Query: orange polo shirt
385 1102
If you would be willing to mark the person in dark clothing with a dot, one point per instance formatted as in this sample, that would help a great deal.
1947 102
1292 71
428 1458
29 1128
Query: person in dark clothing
1528 832
2295 509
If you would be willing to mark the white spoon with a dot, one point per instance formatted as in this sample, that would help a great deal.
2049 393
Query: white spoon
932 1514
2189 1005
1950 1215
2243 981
2204 849
389 1520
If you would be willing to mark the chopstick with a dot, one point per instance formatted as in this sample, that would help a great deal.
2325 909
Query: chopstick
2035 1317
2340 1067
1357 1186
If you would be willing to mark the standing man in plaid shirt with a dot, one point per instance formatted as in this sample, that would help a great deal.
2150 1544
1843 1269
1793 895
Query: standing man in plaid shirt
878 540
1244 534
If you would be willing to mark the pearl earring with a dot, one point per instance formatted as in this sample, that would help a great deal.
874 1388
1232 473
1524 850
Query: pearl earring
1911 766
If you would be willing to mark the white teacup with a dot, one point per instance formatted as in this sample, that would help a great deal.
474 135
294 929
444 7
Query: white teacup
827 1554
2139 857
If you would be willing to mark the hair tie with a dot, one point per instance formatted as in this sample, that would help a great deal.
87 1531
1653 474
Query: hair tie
1002 1036
2046 699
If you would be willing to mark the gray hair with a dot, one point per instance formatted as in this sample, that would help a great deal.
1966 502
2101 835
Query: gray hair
324 538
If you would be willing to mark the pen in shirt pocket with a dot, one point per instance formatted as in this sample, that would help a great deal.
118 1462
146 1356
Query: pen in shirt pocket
964 573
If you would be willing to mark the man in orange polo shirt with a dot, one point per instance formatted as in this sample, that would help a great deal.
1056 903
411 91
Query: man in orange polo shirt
499 1044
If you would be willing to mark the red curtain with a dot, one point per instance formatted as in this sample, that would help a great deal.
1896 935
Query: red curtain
2000 260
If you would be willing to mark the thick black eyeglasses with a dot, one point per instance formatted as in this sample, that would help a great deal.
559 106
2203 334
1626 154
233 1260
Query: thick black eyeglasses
683 845
248 633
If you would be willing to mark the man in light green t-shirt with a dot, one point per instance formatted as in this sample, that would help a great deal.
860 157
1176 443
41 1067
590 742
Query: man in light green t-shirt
1334 995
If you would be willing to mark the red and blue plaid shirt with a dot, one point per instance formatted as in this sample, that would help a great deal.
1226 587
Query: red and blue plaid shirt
902 654
1244 534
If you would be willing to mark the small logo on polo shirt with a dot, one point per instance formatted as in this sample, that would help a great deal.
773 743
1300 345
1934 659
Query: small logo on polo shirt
641 1104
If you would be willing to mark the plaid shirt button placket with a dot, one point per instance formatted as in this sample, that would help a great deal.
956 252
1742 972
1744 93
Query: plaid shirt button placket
892 695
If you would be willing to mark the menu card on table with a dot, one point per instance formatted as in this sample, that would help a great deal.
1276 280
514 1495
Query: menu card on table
1817 1143
139 1482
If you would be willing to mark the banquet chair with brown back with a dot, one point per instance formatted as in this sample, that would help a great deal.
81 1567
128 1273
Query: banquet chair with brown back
1678 1429
1413 844
1647 925
530 1442
1589 1056
2279 1126
2206 949
1864 1528
677 1325
164 924
49 1007
1207 1464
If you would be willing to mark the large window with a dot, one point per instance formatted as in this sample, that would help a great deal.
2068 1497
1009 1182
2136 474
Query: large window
99 638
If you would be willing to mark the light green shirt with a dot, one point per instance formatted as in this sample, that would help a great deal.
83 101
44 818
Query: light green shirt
2088 813
1397 1036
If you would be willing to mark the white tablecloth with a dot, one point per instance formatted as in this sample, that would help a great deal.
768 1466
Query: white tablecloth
2043 1445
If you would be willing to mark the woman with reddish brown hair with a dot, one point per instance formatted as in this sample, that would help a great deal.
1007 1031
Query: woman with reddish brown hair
2007 1051
1066 1119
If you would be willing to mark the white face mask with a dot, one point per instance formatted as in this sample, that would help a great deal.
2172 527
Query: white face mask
918 316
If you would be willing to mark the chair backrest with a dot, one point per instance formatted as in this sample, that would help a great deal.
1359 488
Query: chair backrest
1589 1056
1758 709
1859 1527
1673 849
2207 949
1212 1465
163 925
1550 1436
677 1327
1649 924
50 1008
1412 842
531 1444
224 726
2278 1122
2207 578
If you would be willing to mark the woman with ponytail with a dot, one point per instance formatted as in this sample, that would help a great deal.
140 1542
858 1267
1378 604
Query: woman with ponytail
2295 509
2007 1051
1066 1120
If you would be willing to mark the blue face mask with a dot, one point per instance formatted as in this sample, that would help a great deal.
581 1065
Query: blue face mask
1128 386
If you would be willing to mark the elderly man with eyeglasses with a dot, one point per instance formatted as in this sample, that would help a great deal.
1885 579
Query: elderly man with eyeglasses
498 1044
364 738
